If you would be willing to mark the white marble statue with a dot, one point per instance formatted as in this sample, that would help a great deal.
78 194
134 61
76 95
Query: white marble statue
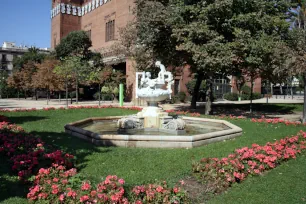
162 71
152 89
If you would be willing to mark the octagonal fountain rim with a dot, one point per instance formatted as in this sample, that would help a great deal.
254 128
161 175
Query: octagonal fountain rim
153 141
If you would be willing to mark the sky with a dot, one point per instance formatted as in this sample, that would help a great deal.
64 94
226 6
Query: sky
25 22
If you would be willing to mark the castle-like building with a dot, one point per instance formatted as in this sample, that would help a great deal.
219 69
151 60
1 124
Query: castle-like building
102 19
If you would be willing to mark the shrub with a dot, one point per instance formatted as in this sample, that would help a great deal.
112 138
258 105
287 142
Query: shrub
231 96
105 89
181 96
246 89
72 94
248 96
174 99
104 97
202 91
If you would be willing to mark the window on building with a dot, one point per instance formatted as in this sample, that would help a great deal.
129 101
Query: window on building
54 42
88 34
110 31
3 63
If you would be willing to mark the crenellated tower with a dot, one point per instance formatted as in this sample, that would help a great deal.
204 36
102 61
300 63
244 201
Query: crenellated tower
65 17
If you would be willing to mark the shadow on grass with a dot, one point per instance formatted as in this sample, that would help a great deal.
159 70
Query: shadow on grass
72 145
24 119
9 184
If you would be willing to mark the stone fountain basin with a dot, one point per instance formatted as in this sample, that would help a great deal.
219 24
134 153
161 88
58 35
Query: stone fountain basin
222 130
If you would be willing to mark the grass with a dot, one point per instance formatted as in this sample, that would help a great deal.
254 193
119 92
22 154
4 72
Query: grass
139 166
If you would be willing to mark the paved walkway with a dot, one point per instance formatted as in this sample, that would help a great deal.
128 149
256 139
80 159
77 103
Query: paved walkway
39 104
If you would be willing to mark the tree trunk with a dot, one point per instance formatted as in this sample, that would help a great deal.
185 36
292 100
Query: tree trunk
59 96
99 94
36 95
304 111
196 91
281 89
267 94
66 84
25 94
48 96
18 95
209 97
77 91
251 104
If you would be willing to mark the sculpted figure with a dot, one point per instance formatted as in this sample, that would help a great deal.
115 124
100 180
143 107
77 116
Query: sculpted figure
63 8
68 9
147 81
161 76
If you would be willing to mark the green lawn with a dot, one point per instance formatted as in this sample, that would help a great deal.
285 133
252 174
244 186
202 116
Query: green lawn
138 166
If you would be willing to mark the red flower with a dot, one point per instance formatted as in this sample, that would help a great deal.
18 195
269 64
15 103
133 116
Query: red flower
84 198
86 186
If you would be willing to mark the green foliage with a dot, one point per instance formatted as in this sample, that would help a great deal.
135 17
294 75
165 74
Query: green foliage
191 84
245 89
76 43
33 55
182 96
105 90
231 96
115 91
244 96
248 96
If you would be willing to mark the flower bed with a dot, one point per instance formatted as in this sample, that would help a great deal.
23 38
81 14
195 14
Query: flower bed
261 120
72 107
27 153
246 161
56 181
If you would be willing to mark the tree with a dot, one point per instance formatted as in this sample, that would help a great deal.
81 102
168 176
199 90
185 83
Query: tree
297 42
15 81
205 35
76 43
110 79
45 78
96 73
32 55
3 83
72 69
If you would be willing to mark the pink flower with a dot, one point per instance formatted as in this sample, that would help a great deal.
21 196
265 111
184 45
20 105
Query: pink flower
86 186
121 181
61 197
84 198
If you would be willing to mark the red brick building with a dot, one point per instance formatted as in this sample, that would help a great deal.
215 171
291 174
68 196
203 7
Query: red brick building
101 19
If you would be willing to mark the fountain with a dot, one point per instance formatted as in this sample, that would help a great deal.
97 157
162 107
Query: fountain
152 117
153 127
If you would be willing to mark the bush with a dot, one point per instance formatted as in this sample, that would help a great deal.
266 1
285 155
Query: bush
72 94
202 92
248 96
181 96
174 99
246 90
231 96
105 89
104 97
